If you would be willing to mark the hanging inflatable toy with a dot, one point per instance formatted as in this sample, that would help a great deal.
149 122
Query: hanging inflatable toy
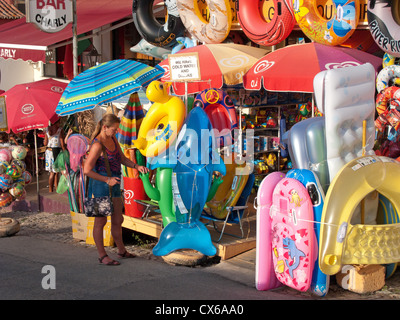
183 43
5 199
148 49
161 124
5 155
331 32
384 98
344 243
20 164
389 60
3 166
383 26
5 181
265 274
16 190
387 76
18 152
293 237
26 175
214 31
151 30
264 33
221 111
191 184
231 188
14 171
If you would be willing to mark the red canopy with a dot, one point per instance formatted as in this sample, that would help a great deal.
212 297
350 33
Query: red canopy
21 40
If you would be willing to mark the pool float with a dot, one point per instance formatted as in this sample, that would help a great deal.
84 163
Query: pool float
214 31
264 33
231 188
330 32
383 26
386 76
344 243
150 29
265 274
191 183
148 49
221 111
183 43
320 281
385 96
293 237
389 215
161 124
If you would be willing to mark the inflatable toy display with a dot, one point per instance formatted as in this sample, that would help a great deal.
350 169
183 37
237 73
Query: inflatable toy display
221 112
387 77
265 274
343 243
293 236
383 26
384 98
191 183
330 32
151 30
160 126
148 49
266 33
229 191
346 97
320 281
214 31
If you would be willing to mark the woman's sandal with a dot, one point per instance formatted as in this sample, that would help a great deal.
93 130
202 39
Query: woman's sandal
111 263
126 255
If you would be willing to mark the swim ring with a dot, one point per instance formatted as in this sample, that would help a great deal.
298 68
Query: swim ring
384 97
214 31
330 32
161 124
386 75
258 30
220 109
150 29
383 26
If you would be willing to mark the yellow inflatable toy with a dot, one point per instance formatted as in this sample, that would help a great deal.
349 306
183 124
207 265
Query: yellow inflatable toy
343 243
162 122
231 188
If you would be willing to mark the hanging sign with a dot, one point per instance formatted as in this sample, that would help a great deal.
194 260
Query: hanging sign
49 15
184 66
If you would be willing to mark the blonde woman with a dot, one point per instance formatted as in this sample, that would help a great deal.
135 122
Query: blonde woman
94 168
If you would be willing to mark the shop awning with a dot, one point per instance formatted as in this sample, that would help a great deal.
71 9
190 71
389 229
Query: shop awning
21 40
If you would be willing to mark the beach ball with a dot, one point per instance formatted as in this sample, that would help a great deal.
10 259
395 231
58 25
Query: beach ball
18 152
26 175
19 163
22 196
3 166
5 155
5 199
16 190
5 181
14 171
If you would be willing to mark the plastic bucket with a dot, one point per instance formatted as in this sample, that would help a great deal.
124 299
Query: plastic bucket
134 190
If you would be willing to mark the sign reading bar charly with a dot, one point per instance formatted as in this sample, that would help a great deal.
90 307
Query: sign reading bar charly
49 15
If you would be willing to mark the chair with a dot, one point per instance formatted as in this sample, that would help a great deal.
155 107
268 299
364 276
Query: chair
150 206
235 213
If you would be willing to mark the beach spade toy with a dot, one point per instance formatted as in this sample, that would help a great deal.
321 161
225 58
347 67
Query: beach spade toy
5 181
14 171
26 175
5 199
18 152
19 163
5 155
16 190
3 166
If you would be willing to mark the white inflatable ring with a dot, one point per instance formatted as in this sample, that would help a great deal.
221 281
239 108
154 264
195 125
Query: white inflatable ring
266 33
214 31
383 27
330 32
387 74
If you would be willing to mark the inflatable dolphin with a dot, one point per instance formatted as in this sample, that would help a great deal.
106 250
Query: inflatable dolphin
191 186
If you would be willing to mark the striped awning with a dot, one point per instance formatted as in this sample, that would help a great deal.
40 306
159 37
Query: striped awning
8 11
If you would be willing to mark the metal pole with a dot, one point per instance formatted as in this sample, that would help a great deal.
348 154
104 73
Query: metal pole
37 171
74 39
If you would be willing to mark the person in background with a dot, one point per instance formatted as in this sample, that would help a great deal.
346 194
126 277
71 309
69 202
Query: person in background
54 140
95 169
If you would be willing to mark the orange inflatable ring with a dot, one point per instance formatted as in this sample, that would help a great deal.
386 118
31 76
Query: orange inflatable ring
385 96
329 32
266 33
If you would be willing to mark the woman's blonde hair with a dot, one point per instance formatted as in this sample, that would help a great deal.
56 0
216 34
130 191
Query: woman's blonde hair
108 120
